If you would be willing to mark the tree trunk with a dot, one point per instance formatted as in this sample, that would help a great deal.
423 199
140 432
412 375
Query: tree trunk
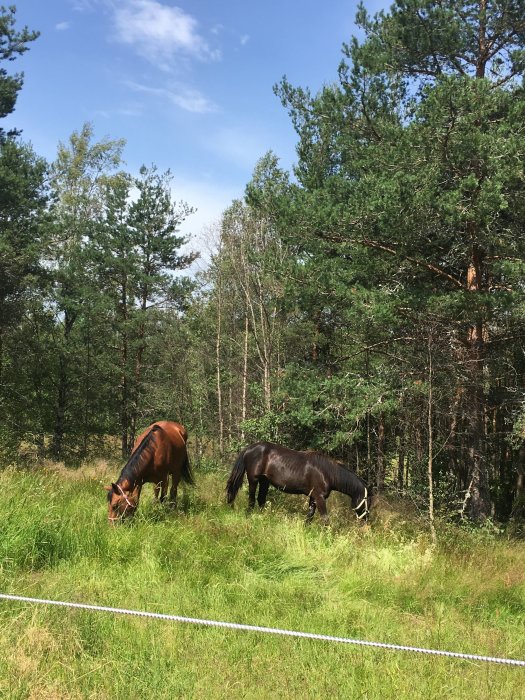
430 463
244 376
218 368
136 388
477 499
141 347
87 395
401 461
518 507
381 454
124 385
57 441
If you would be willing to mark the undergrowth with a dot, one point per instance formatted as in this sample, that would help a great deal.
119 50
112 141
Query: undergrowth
381 582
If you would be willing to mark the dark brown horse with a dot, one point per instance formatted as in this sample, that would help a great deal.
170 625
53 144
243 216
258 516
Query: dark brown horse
296 472
159 452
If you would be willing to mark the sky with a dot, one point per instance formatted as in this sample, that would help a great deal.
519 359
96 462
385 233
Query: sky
187 84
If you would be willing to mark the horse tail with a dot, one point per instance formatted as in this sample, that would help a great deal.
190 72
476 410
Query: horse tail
186 473
236 477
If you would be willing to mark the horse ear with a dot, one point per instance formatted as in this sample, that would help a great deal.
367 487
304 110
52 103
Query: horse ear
108 488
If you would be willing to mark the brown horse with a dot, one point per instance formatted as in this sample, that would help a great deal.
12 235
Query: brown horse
159 452
296 472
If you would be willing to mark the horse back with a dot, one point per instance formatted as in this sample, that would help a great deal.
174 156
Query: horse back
286 469
169 449
175 432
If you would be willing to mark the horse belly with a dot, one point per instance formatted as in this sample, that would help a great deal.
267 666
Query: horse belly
291 489
283 482
155 476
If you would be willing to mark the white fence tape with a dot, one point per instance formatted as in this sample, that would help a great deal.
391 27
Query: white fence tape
266 630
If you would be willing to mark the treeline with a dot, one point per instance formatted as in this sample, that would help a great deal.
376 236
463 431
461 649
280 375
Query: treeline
96 295
370 304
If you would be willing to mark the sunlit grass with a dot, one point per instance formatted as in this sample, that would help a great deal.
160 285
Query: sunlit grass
383 582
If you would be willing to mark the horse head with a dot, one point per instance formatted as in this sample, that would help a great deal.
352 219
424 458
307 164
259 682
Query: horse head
362 503
122 502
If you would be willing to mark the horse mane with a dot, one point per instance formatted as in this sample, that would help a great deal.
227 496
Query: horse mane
131 469
344 479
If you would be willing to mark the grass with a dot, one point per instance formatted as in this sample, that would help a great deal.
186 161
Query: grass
383 582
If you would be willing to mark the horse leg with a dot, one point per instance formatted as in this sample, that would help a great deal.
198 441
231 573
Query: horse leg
156 491
252 488
320 502
164 489
311 510
264 485
173 491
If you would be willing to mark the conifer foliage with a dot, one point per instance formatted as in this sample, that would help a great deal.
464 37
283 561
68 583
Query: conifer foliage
369 304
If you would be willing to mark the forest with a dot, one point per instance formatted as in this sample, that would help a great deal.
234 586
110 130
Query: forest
369 304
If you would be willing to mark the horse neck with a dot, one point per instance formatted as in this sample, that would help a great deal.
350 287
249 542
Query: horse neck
137 464
349 483
128 479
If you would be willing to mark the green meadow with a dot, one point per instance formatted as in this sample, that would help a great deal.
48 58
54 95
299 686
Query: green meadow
382 582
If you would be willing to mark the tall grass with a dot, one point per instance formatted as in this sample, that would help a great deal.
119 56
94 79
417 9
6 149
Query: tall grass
384 583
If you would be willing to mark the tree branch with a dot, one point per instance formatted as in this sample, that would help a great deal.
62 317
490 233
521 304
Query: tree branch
420 263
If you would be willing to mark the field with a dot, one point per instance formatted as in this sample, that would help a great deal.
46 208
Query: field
382 582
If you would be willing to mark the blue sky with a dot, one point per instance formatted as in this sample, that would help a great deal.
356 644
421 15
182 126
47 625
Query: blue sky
188 84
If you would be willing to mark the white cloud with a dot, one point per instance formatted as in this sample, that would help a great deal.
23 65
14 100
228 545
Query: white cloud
245 38
130 111
61 26
191 100
104 114
186 98
160 32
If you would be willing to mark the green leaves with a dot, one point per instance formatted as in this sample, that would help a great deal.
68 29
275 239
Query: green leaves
406 225
425 39
13 43
22 202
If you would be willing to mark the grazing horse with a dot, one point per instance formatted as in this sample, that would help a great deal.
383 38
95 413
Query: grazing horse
160 451
296 472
